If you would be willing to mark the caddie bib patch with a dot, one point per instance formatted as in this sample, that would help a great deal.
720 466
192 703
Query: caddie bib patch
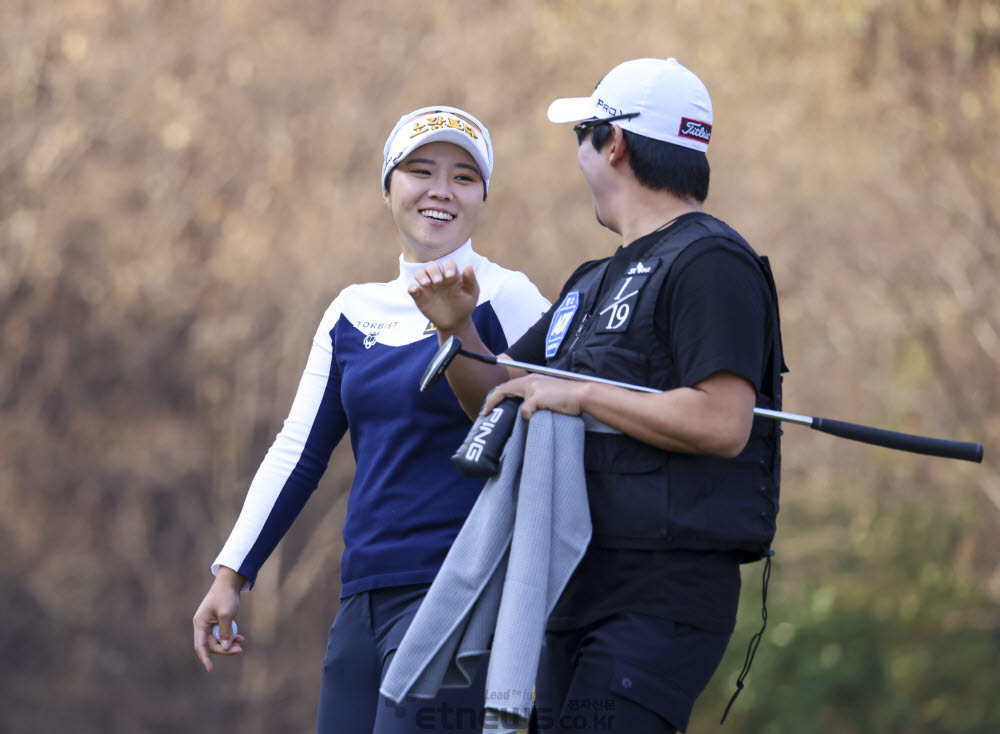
559 325
616 313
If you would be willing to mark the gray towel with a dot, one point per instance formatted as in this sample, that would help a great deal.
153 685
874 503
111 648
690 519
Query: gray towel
502 577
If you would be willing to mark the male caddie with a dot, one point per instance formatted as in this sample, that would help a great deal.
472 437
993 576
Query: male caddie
687 489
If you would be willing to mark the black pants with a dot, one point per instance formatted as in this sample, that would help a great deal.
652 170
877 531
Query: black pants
363 639
625 673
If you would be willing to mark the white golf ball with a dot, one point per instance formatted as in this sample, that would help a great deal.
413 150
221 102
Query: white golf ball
215 631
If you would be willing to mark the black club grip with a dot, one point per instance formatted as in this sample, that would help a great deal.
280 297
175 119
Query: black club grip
901 441
479 455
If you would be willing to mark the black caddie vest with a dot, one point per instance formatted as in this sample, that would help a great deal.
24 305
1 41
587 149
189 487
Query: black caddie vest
644 497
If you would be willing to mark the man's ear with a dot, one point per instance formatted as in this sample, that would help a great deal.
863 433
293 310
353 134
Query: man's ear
617 149
385 198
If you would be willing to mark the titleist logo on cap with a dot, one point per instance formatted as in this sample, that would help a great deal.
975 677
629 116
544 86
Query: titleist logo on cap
695 130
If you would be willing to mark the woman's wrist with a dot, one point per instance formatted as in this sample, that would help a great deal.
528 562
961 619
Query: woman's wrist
230 578
464 330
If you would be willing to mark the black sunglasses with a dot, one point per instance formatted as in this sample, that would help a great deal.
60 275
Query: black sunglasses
581 128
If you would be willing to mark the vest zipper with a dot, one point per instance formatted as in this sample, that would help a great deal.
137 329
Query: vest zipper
579 332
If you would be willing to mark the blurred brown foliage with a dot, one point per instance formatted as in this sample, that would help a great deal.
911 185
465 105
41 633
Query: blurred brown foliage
185 185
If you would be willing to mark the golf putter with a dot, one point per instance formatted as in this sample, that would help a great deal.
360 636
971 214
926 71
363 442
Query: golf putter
962 450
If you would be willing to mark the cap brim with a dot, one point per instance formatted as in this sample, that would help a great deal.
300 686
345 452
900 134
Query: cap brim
571 109
444 136
462 141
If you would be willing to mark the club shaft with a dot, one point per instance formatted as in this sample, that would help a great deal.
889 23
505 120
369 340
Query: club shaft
962 450
552 372
804 420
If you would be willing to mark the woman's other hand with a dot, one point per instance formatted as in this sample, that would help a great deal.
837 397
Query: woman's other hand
219 606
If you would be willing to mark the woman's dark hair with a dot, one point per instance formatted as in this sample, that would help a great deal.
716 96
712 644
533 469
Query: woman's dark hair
661 166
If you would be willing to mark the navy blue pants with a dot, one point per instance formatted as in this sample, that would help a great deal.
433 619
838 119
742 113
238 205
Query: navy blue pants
625 673
363 639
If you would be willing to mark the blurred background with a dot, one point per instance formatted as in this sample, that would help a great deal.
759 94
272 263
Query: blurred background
185 186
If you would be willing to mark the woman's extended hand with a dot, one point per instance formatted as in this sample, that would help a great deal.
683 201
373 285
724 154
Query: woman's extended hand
445 295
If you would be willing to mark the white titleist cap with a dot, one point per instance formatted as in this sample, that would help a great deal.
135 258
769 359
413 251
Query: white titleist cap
439 125
668 101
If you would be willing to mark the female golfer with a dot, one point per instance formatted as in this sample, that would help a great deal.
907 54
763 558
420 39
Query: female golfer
407 501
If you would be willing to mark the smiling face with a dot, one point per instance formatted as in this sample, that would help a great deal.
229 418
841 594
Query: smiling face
436 198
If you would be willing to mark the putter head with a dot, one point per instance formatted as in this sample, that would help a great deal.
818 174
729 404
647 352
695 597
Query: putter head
440 363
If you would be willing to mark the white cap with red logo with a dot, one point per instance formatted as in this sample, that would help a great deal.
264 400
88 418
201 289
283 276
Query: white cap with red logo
664 99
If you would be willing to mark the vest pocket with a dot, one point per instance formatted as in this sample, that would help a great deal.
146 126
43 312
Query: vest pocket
628 492
602 359
723 504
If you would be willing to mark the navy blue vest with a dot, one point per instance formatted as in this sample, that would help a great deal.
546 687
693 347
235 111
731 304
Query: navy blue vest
641 496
